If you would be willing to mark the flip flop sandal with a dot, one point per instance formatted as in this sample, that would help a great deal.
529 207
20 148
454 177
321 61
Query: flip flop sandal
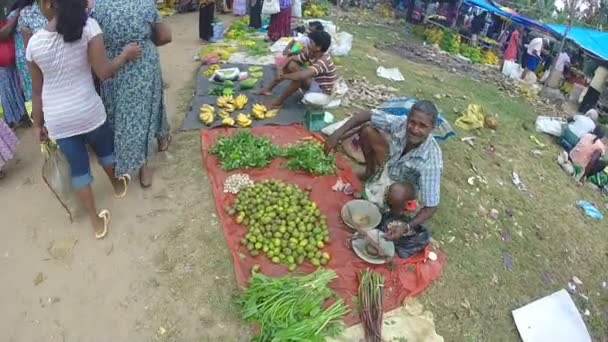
105 215
126 179
167 144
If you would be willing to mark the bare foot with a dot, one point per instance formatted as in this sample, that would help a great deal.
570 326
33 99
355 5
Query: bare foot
145 177
164 142
263 92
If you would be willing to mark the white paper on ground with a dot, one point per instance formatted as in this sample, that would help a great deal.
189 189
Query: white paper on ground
392 74
553 318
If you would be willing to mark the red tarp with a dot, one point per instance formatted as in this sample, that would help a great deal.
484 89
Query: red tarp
408 278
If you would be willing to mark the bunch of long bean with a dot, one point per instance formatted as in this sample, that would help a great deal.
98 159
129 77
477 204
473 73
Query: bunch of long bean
291 308
371 292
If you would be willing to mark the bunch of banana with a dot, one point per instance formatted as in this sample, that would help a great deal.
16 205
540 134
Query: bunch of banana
228 121
271 114
243 120
223 114
259 111
229 108
206 114
240 101
225 100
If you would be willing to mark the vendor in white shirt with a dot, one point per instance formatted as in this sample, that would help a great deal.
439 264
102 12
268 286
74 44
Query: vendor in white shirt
557 74
533 56
578 126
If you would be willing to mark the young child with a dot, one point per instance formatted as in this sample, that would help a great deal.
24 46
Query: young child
302 42
60 58
395 222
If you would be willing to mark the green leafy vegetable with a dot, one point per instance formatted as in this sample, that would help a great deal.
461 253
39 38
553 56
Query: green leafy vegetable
292 308
311 157
243 150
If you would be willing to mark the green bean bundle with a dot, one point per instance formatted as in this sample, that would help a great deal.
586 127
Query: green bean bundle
291 308
371 292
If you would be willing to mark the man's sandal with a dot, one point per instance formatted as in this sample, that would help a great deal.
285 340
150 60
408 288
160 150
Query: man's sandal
105 215
126 179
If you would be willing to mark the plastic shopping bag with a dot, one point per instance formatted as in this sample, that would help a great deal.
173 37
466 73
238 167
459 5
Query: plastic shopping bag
296 9
57 176
271 7
550 125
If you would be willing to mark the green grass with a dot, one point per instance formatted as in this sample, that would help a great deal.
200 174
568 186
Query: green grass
474 298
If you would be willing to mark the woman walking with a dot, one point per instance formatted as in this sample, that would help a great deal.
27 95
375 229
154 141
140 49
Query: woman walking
60 57
255 13
134 96
30 21
206 13
280 23
11 96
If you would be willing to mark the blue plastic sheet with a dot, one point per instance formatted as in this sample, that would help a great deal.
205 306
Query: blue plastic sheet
590 210
591 40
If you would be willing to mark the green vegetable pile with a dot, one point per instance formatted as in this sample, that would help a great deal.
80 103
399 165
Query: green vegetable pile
243 150
471 52
450 42
224 89
282 222
311 157
290 309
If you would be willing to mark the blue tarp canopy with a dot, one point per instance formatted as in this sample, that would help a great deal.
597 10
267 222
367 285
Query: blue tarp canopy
591 40
491 7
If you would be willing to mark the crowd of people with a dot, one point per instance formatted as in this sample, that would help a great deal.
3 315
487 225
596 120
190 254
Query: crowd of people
92 73
280 22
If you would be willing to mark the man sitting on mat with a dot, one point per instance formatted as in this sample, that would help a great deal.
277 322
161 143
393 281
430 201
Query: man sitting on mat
398 151
317 80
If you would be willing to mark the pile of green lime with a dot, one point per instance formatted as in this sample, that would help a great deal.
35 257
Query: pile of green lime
282 223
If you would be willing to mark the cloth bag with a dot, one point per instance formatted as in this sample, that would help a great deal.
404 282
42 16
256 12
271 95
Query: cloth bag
271 7
57 176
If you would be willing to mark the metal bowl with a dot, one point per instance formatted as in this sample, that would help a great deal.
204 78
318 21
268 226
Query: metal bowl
364 208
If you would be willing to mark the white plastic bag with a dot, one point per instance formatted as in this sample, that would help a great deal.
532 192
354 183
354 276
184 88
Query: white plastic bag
57 176
341 44
550 125
296 9
271 7
512 69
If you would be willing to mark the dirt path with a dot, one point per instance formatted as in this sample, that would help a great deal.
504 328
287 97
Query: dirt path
161 275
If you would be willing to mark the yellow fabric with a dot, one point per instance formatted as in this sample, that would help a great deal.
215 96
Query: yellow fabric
473 118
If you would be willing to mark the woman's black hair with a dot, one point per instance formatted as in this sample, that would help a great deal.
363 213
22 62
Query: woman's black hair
599 132
71 18
321 39
20 4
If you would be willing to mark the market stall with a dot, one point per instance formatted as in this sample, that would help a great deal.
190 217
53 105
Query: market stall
402 277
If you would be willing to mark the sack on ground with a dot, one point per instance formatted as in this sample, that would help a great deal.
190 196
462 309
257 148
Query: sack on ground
57 176
550 125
